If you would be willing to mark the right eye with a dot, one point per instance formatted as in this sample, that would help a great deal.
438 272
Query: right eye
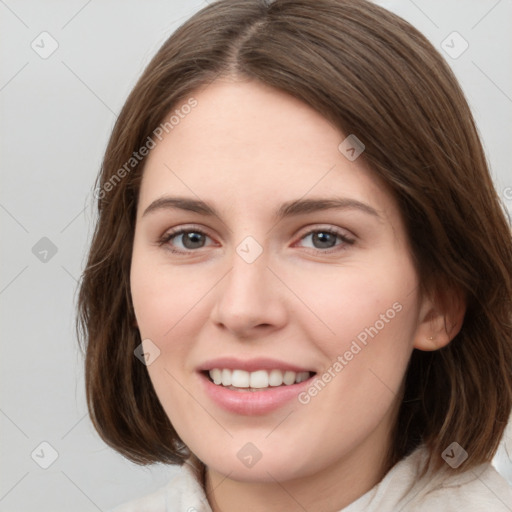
189 239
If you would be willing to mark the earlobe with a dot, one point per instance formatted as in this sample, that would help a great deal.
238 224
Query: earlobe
440 322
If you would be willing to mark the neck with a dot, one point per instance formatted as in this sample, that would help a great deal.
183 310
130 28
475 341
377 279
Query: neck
331 489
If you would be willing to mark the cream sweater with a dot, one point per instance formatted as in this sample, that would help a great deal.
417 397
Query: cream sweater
482 489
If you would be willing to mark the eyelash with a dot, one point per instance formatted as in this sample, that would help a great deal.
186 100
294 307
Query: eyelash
167 237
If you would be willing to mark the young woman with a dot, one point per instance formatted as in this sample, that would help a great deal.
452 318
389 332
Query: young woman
299 287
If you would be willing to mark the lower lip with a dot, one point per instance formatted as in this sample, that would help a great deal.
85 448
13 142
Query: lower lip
252 403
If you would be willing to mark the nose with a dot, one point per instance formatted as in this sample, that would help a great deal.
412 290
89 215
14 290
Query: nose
250 299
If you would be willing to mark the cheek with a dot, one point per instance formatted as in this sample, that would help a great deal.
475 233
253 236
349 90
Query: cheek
169 304
163 296
165 303
356 301
368 320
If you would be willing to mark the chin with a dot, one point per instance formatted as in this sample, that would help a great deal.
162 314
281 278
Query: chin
277 466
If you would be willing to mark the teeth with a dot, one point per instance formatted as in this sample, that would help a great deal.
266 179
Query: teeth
239 378
289 378
301 377
226 378
257 380
275 378
216 376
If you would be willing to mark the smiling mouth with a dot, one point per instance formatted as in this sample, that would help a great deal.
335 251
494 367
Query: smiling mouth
259 380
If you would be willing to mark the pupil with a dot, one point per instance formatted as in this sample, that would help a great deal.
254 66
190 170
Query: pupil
190 239
324 238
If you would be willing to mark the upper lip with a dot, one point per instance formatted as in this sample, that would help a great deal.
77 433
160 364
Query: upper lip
250 365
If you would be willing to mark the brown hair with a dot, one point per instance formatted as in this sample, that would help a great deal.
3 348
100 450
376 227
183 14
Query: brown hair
373 75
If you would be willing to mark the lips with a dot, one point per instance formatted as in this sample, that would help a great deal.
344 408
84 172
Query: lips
251 365
255 386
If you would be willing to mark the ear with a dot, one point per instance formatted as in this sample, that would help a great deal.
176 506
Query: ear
440 320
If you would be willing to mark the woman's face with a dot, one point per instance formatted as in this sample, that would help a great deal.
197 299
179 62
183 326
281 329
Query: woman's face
294 265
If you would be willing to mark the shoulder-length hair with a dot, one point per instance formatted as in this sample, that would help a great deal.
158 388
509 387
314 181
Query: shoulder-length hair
371 74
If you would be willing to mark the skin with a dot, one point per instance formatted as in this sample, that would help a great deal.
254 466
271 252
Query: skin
246 149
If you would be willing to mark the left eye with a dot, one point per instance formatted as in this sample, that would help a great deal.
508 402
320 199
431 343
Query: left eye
191 239
326 238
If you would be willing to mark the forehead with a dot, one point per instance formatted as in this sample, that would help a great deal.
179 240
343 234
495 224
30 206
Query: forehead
247 145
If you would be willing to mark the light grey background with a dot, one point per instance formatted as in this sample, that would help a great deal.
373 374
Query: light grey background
56 117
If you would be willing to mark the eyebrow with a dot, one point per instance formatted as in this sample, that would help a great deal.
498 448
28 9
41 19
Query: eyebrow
286 210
